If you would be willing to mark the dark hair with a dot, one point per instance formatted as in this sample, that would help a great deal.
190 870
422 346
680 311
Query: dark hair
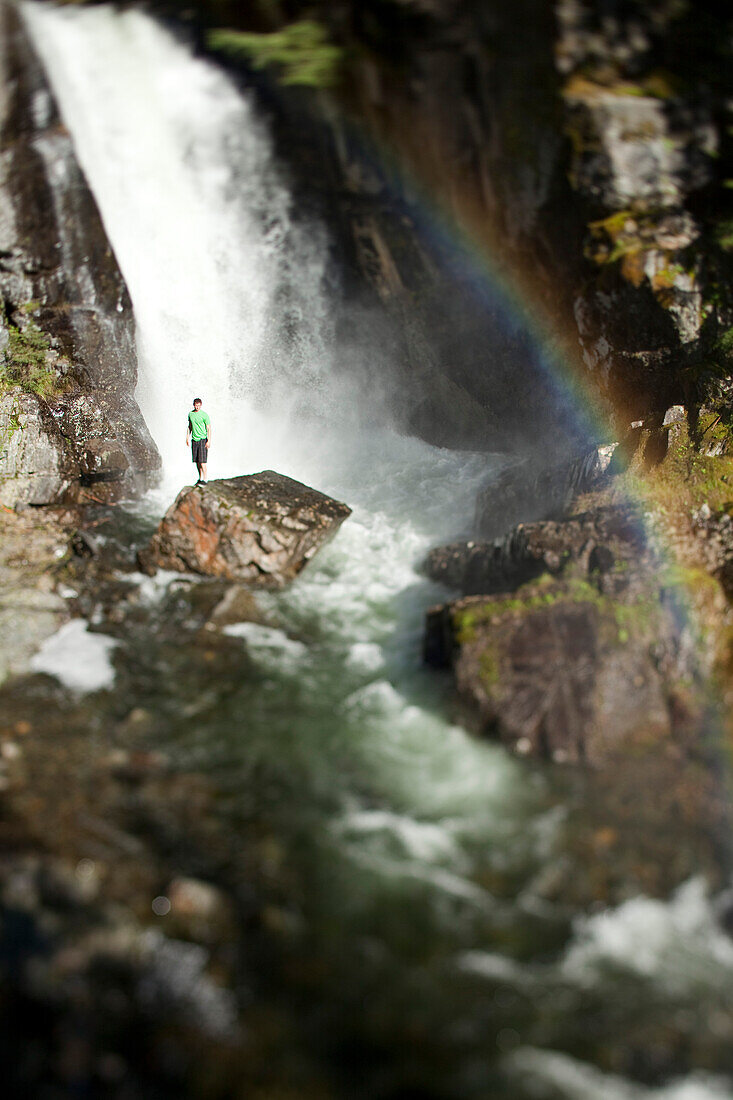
197 399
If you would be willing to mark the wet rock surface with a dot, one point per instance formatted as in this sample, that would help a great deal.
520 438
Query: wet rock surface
36 463
533 489
575 651
261 529
50 449
603 543
66 324
550 673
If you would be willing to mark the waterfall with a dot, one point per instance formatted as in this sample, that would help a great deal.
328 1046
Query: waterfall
226 290
230 304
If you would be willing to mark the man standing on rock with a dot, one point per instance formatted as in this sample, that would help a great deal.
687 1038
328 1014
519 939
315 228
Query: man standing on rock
199 432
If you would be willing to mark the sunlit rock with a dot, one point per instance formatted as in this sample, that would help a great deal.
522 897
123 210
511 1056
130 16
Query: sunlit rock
575 649
36 463
261 529
49 449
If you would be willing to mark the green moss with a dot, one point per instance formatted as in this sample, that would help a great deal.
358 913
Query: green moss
301 52
489 667
8 431
714 431
25 360
619 235
687 479
14 424
629 619
724 343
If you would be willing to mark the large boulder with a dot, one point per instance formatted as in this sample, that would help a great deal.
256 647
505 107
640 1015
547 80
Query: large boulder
261 529
555 670
603 542
576 648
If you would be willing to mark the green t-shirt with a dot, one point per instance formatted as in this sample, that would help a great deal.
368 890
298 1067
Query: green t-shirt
197 422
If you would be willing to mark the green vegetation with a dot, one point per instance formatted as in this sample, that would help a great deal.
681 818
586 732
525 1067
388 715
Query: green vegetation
25 358
301 52
489 665
547 592
619 235
724 234
686 479
724 343
9 428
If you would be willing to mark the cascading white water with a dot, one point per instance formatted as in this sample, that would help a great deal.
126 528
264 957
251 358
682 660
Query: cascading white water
200 222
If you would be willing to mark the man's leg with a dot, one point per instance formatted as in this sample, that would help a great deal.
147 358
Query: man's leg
203 471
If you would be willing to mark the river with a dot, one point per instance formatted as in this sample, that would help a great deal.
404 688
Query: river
410 861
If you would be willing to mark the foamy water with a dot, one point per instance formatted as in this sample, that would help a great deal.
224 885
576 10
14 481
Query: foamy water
80 660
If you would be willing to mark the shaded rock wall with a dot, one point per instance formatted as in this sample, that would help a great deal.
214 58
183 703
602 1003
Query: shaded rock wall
66 311
582 148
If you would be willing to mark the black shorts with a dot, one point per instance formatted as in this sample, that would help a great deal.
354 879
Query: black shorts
199 450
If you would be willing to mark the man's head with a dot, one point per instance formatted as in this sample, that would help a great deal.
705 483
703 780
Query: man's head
197 403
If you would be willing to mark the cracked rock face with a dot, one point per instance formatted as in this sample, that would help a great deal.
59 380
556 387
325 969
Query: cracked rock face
36 464
50 449
58 273
261 529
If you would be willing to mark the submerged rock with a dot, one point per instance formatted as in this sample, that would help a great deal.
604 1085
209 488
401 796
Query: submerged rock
261 529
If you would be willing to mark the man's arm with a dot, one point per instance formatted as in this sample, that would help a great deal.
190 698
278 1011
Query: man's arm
208 433
188 431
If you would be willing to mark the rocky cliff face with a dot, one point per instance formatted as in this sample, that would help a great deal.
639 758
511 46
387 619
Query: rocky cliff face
68 417
578 150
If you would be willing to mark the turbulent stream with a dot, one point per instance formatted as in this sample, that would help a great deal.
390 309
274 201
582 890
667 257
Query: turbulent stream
410 862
